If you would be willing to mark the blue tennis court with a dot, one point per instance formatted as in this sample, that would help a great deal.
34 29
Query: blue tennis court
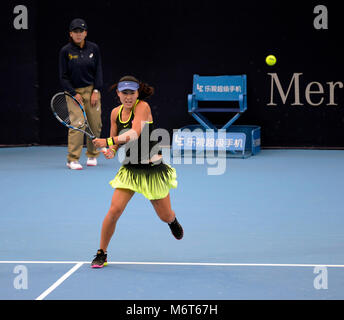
269 227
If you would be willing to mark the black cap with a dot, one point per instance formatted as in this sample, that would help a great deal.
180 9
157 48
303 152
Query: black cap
77 24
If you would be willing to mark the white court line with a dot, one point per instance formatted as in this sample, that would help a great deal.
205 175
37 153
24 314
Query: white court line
43 262
59 281
188 264
78 264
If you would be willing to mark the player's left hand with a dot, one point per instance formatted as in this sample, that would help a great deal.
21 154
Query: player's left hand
99 143
108 153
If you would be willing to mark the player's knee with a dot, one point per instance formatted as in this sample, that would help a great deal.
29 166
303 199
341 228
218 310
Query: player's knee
115 211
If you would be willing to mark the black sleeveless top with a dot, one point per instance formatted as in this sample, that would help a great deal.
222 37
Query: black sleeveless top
141 150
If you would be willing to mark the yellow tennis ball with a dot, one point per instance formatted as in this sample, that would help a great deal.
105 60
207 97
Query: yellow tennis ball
270 60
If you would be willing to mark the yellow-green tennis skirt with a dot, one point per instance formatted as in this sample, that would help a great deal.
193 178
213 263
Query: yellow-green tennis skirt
154 181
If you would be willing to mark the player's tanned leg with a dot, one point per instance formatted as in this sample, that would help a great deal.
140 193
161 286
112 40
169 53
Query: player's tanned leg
119 201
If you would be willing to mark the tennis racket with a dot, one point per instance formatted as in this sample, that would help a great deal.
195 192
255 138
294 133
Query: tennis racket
70 117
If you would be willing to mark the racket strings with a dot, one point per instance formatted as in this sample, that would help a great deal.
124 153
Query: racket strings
61 109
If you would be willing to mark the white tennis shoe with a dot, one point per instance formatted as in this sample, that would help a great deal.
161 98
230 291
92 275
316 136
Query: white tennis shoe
91 162
74 165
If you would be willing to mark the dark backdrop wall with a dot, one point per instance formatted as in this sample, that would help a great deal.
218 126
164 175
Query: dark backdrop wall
164 43
19 123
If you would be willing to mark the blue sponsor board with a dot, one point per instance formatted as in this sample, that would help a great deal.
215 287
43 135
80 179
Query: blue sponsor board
208 140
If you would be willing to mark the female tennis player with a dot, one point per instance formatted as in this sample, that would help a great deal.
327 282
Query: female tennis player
143 170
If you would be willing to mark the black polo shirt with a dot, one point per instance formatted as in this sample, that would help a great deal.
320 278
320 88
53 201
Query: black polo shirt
80 67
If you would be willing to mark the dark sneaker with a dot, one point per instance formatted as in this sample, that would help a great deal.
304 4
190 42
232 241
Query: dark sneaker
100 259
176 229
